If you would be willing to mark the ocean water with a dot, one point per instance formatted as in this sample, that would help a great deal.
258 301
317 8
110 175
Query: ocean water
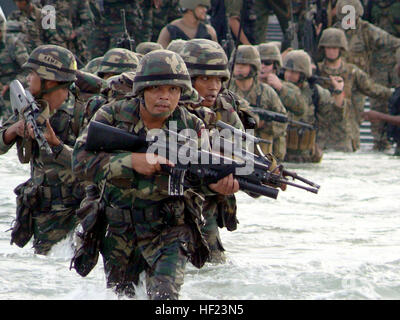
340 244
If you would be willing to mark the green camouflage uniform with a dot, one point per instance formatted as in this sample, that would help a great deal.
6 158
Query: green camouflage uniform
109 27
167 12
74 16
147 229
36 35
356 83
59 191
13 55
207 58
371 49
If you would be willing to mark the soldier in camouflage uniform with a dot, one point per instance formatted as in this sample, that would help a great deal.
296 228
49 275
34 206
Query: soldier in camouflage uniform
191 25
162 15
208 67
370 49
260 95
75 22
58 191
108 24
115 62
13 55
289 93
146 47
31 18
147 229
321 107
345 135
385 14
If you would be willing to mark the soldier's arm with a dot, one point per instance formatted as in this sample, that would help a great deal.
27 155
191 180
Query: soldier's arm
328 105
86 19
164 38
212 32
292 99
370 88
382 40
9 132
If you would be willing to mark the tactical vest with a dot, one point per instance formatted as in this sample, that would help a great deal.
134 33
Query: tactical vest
177 33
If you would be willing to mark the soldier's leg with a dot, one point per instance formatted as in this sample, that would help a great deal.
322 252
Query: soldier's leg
279 147
53 221
123 262
165 278
210 232
378 129
263 13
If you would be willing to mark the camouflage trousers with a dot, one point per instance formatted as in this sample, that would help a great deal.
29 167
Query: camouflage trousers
210 231
125 257
54 218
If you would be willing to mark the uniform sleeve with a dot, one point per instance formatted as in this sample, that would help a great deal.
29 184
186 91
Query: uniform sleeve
382 40
292 99
3 146
97 166
327 105
370 88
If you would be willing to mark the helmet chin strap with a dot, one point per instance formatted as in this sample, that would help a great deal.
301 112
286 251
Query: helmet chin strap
44 91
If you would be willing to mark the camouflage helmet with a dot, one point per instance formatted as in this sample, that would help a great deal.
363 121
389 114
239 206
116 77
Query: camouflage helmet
356 4
334 38
117 61
52 62
162 67
269 51
298 60
248 54
176 45
205 57
146 47
93 65
193 4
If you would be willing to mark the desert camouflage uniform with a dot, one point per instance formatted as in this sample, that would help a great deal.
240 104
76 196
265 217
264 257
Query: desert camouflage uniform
302 144
59 191
147 229
13 55
261 95
207 58
371 49
356 82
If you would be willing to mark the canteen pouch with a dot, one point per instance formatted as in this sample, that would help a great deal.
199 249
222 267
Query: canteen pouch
27 201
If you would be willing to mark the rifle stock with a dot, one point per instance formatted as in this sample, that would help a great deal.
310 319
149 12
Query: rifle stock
268 115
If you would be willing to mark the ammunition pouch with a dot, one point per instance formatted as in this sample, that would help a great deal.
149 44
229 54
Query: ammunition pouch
226 213
89 237
27 201
300 139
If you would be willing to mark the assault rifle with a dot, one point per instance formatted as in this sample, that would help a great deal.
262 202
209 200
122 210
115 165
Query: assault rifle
201 167
268 115
125 41
24 104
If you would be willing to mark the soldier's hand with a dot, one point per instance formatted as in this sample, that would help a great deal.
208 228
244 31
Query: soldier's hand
50 135
337 82
148 163
274 81
4 90
225 186
372 116
14 131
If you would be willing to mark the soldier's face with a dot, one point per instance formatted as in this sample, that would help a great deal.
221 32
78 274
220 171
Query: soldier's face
161 100
208 87
292 76
34 82
241 69
332 53
267 67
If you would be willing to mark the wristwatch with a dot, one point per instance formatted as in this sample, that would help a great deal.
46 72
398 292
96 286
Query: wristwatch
57 149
